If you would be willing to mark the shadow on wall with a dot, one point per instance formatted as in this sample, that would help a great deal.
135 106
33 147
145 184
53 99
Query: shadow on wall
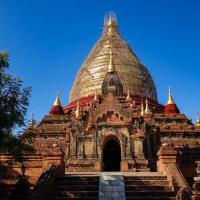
12 182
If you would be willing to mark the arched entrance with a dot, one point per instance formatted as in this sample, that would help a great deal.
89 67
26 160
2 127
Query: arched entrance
111 156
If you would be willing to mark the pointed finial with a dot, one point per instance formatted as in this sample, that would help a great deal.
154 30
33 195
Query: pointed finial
110 25
171 107
32 116
198 120
147 110
170 98
57 100
111 21
32 121
128 97
95 96
111 67
142 109
78 111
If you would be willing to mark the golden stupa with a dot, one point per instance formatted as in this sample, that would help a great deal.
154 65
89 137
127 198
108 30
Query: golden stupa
134 76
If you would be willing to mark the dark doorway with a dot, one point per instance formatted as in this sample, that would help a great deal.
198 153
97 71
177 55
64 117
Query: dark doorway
111 156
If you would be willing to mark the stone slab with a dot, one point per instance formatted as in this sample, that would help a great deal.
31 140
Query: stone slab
111 186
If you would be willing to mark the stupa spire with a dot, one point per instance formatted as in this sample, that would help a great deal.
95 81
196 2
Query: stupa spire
111 21
147 110
110 25
198 120
32 122
95 96
111 66
57 101
128 97
78 111
57 106
111 82
133 75
171 107
170 98
142 109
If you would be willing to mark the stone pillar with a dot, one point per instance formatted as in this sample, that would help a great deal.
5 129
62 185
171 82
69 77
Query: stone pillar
95 150
72 145
139 148
128 154
81 149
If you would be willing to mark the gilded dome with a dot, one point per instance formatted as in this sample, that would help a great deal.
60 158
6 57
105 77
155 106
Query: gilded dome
134 76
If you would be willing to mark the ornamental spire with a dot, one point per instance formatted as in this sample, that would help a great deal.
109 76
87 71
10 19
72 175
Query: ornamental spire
198 120
171 107
95 96
57 107
111 21
170 98
142 109
110 25
128 97
147 110
32 122
111 67
57 100
78 111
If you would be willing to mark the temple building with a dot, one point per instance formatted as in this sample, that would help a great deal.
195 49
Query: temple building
114 132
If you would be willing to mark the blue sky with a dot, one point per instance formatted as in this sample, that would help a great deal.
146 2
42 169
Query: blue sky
48 41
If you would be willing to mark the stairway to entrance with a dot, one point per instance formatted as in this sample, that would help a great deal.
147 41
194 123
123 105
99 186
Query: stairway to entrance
148 185
75 187
112 186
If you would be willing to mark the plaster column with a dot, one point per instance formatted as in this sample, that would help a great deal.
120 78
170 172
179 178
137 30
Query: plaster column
139 149
80 148
128 149
72 145
95 152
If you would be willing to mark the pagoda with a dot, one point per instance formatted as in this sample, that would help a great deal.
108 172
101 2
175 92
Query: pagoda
113 125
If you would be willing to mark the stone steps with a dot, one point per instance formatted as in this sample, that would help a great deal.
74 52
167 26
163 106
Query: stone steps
74 183
147 182
75 187
151 198
73 194
112 185
147 178
83 187
142 193
148 186
77 178
75 198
